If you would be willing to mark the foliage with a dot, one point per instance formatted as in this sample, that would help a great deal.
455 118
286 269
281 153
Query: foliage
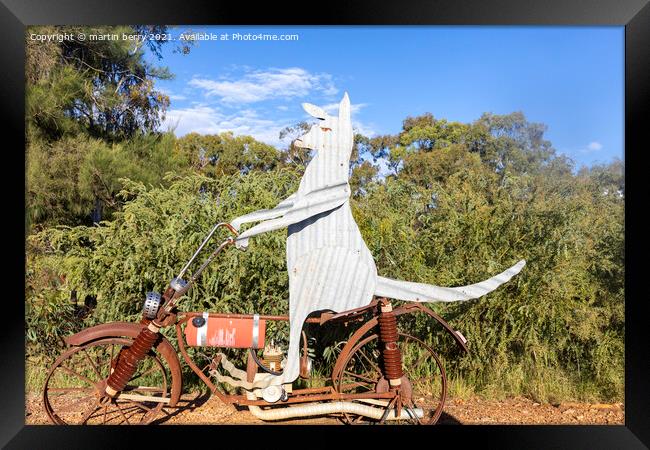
72 176
226 154
555 330
103 86
297 156
506 143
92 114
151 238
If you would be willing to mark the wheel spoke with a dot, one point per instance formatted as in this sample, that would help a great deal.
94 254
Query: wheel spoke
75 403
78 375
87 415
356 375
422 367
122 413
71 389
110 360
92 364
78 405
112 414
139 405
357 384
150 370
374 366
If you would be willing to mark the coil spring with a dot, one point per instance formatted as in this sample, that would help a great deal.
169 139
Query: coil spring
390 352
129 358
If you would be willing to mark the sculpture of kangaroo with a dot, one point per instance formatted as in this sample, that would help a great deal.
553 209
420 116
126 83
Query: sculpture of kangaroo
329 264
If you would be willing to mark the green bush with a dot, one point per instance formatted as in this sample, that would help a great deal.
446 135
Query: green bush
555 330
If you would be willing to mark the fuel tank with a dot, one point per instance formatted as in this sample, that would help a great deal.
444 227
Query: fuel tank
205 331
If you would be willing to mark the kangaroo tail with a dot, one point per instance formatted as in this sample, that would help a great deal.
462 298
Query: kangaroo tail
420 292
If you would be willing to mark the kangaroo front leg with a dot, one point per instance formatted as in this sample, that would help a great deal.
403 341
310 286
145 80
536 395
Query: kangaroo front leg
307 206
265 214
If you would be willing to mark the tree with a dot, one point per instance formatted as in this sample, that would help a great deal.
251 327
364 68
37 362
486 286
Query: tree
226 154
107 85
92 115
76 179
507 143
514 144
296 155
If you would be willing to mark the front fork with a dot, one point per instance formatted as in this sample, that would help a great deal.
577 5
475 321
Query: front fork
390 351
128 358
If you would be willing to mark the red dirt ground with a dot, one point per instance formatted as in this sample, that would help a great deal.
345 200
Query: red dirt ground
201 409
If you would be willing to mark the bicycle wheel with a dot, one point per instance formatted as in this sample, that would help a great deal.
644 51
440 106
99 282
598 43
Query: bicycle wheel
74 389
424 383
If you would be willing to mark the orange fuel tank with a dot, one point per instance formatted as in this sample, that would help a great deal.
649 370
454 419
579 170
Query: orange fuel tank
204 331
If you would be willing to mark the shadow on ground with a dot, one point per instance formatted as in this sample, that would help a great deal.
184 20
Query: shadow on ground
241 414
448 419
183 406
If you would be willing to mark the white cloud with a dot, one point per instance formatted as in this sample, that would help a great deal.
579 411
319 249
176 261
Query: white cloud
208 120
594 146
238 113
260 85
363 128
204 119
171 95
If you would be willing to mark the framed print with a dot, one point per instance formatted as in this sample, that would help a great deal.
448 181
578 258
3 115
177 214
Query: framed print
395 214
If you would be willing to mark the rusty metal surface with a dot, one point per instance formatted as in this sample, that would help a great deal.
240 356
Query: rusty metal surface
128 359
392 358
314 394
404 395
118 329
331 270
67 404
409 308
305 368
181 346
324 317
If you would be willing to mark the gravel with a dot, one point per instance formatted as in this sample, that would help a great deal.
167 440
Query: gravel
196 408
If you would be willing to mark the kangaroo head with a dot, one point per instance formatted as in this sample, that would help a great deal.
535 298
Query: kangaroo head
330 133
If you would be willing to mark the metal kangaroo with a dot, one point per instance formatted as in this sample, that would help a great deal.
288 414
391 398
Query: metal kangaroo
329 264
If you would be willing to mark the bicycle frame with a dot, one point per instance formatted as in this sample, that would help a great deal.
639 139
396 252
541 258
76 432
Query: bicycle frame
306 394
146 335
298 396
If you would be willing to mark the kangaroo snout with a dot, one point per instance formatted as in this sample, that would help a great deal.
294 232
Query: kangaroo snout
299 143
313 139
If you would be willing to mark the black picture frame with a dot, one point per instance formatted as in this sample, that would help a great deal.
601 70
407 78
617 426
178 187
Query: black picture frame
634 15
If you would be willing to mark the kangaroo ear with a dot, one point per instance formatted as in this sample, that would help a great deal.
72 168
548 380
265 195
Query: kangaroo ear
314 111
344 109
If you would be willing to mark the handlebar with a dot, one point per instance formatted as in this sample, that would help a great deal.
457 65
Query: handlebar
179 285
205 241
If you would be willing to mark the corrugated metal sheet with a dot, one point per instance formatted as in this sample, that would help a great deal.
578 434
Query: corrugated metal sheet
329 264
420 292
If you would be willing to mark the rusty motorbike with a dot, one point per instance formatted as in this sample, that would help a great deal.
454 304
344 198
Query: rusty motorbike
129 373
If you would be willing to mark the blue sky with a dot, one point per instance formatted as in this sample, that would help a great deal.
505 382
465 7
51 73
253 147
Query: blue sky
569 78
